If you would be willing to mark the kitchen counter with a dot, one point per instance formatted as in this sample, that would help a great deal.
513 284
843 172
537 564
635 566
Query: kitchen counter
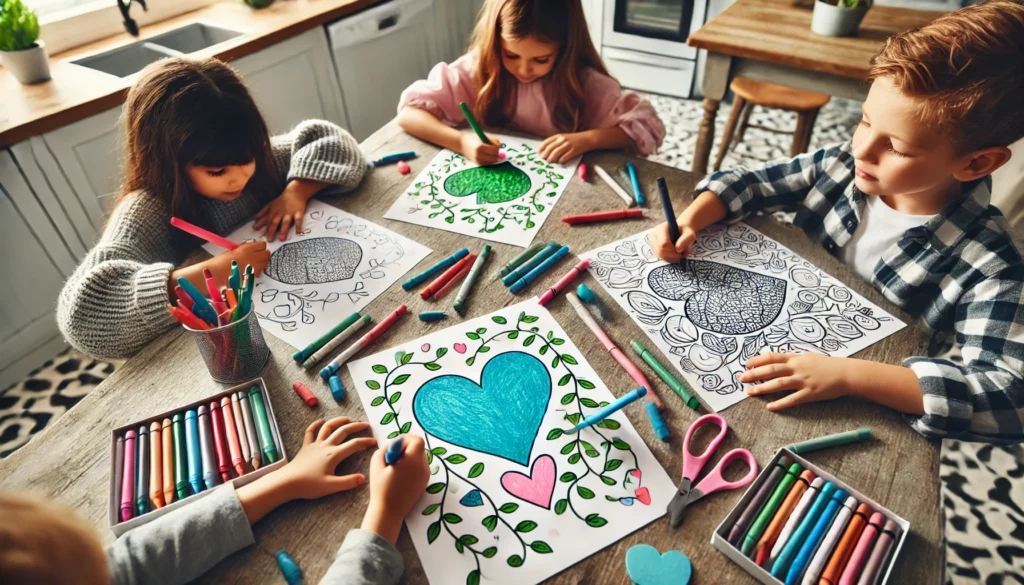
76 92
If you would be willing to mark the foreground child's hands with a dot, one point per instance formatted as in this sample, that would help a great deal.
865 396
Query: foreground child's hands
561 148
668 250
814 377
288 208
479 152
395 489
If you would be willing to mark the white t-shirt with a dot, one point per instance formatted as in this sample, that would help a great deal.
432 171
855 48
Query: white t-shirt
880 227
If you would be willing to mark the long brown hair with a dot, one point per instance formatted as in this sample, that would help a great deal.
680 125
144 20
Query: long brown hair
185 112
558 22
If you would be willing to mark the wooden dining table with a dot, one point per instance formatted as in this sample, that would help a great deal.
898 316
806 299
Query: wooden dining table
70 460
771 40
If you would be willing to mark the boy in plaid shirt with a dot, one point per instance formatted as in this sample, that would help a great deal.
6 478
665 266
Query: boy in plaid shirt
906 205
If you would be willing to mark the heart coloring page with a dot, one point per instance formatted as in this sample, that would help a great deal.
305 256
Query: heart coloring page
506 202
738 294
515 496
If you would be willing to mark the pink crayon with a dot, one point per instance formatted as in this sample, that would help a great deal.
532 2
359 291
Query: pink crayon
582 172
564 281
335 365
860 553
128 478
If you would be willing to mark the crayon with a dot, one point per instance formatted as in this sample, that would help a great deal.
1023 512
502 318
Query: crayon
259 413
305 394
128 478
638 192
828 544
250 430
677 386
761 523
771 534
335 343
541 268
220 442
431 316
207 456
471 278
830 441
202 307
614 186
362 342
620 403
167 457
473 124
203 234
289 568
435 269
455 279
670 214
813 540
854 568
393 158
844 548
445 276
181 471
564 281
395 451
743 522
523 257
875 566
231 431
337 388
243 441
781 565
582 172
303 354
118 469
603 216
794 519
590 297
195 457
156 467
522 270
142 452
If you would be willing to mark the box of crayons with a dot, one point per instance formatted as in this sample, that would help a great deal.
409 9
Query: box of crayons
799 524
169 460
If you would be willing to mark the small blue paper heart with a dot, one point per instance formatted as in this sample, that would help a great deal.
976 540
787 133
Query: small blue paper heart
472 499
646 566
500 416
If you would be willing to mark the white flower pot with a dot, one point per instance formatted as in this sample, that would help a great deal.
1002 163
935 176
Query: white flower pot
836 21
28 65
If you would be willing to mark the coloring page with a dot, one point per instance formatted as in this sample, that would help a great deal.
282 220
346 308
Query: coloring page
515 495
334 267
738 294
505 202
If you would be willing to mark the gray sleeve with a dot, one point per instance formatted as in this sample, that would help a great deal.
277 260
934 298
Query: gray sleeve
320 151
116 300
365 559
182 545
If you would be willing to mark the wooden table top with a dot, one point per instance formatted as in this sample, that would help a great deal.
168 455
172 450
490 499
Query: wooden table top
779 32
70 462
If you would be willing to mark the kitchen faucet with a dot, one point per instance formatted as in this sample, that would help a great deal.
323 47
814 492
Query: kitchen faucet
129 24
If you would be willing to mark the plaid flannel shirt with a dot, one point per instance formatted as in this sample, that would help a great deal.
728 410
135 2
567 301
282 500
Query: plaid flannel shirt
960 273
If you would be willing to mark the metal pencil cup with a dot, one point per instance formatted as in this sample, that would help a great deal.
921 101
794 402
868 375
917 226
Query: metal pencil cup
235 352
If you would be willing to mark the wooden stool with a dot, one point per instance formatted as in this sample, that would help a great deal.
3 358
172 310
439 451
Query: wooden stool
749 93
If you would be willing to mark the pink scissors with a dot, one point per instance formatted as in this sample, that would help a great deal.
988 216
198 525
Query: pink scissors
687 493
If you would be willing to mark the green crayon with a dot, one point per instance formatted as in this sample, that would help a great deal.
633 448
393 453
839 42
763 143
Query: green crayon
526 255
180 457
759 525
259 412
676 385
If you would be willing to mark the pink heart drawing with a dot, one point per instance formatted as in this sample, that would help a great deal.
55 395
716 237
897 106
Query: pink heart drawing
426 347
644 495
535 488
460 347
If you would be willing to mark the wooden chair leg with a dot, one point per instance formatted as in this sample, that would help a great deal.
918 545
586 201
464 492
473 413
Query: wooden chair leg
802 134
730 127
744 121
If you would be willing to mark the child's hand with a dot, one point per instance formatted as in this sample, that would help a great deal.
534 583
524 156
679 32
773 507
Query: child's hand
281 213
395 489
254 253
668 250
310 474
813 376
479 152
561 148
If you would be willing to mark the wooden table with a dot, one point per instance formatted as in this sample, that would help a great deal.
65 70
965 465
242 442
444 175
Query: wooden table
771 40
69 461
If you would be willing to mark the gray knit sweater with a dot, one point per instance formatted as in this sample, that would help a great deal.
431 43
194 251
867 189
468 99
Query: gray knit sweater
116 300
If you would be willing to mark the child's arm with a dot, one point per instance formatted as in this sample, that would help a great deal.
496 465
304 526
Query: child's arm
368 555
424 125
184 544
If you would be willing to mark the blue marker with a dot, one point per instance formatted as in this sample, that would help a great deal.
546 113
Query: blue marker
611 409
393 158
781 566
430 316
395 451
289 568
337 390
638 193
530 264
814 538
436 268
195 457
201 308
540 269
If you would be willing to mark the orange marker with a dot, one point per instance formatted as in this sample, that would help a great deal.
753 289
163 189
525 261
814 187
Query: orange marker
229 294
771 534
234 446
843 551
156 470
167 460
446 276
187 319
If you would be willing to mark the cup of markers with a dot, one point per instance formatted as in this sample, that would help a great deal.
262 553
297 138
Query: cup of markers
224 325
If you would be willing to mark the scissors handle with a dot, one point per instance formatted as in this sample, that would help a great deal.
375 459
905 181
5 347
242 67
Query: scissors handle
714 482
692 464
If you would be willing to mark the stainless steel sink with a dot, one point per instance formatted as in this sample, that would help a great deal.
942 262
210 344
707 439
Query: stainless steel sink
129 59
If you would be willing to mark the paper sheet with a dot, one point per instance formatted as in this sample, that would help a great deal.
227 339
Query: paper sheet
514 496
506 202
739 294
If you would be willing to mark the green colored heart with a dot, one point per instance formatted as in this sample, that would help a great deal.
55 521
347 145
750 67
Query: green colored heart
491 184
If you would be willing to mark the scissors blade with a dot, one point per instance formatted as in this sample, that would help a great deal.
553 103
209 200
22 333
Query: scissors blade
677 505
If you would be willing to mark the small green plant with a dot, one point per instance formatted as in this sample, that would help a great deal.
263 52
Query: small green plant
19 26
849 3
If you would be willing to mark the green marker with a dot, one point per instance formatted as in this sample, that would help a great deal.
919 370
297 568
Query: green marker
759 525
180 457
472 123
303 355
259 412
830 441
530 264
235 280
677 386
474 273
518 260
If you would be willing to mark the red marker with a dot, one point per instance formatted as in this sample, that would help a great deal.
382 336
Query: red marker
305 393
564 281
187 319
447 275
220 442
603 216
582 172
183 297
211 285
203 234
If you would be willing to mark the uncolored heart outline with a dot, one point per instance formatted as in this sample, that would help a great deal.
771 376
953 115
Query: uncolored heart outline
536 488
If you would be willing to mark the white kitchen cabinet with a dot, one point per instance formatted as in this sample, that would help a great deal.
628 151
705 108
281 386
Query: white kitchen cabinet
294 81
453 25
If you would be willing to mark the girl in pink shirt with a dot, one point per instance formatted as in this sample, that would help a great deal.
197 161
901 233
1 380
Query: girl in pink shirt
531 67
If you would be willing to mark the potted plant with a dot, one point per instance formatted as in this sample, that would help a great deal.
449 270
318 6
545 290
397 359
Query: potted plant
838 18
22 51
